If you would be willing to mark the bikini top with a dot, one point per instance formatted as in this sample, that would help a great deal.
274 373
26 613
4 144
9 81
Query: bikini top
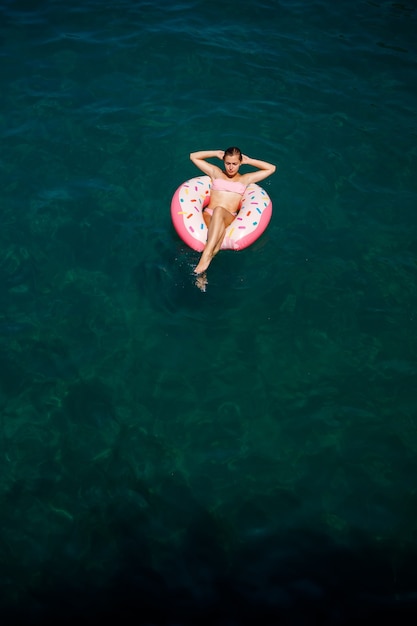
220 184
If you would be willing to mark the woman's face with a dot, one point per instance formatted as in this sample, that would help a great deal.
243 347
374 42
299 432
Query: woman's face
232 164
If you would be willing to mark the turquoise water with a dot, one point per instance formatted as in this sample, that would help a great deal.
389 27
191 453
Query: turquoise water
243 455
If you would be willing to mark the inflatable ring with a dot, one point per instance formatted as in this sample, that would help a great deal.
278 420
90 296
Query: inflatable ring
193 195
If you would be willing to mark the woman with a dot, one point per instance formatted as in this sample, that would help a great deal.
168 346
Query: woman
227 189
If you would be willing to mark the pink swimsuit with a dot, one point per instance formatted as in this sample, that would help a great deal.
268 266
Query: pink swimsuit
220 184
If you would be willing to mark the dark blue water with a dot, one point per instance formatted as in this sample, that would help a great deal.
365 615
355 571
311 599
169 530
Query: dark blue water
246 455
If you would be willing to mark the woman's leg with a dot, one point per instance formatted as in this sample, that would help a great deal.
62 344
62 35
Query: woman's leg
220 220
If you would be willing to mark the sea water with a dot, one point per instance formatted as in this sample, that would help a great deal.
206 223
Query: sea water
250 450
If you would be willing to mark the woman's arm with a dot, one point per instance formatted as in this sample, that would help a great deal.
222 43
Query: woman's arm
199 159
264 169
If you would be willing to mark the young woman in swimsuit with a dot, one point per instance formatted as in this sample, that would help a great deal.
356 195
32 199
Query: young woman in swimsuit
227 189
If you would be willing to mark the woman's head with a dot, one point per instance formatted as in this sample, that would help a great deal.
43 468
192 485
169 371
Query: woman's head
232 160
233 152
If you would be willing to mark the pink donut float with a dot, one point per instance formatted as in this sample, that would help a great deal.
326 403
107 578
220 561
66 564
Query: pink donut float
193 195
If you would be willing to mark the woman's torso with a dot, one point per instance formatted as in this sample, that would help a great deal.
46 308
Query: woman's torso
229 200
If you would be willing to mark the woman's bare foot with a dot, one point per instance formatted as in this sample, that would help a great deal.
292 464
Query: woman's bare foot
203 264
